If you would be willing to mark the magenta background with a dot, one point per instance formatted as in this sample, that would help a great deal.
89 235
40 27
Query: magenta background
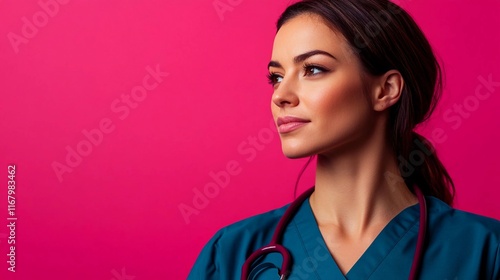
116 214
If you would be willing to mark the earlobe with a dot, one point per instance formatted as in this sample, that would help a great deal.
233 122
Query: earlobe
389 89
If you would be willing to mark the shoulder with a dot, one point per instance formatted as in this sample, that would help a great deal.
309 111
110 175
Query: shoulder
455 234
223 255
472 231
441 213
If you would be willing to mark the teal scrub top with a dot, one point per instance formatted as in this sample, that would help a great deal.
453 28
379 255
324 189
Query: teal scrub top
460 246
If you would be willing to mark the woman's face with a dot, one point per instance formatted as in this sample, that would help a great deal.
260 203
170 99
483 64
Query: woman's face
318 102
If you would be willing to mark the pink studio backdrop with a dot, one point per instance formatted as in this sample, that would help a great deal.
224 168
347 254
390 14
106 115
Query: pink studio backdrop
118 114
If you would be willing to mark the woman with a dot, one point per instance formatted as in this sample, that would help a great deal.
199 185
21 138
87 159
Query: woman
352 79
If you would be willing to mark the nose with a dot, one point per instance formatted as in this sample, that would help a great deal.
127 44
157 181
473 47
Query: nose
285 95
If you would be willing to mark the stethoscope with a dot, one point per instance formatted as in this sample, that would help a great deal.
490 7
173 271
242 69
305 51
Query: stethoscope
275 247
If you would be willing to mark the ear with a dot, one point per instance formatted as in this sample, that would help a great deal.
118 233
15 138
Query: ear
387 91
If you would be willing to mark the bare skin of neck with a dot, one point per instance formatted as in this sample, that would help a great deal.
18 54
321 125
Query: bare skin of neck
354 199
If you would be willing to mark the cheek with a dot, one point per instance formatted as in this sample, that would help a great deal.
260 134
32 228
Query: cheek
342 114
338 101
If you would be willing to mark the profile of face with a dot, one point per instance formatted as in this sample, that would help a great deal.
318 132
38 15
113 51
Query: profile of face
319 103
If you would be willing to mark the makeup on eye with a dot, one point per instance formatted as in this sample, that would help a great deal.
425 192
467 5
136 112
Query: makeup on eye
310 69
311 66
272 77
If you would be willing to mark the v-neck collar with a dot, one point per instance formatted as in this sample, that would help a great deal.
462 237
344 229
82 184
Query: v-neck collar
313 242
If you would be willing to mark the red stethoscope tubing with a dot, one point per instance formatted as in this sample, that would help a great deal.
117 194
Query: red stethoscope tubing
275 247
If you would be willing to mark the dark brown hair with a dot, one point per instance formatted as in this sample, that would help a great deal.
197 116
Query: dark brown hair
385 37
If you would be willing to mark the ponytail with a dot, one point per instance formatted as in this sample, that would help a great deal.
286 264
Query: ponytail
420 165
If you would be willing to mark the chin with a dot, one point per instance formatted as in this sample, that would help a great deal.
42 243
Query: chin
294 153
294 148
294 156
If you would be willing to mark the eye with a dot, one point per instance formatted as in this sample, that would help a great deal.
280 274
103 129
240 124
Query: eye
274 78
312 70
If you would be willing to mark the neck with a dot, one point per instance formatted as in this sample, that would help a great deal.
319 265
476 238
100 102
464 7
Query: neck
357 191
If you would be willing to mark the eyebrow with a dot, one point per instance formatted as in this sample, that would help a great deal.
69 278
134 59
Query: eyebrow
301 57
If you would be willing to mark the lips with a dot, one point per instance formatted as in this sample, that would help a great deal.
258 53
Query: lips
289 124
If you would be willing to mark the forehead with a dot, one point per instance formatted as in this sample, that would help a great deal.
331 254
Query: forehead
308 32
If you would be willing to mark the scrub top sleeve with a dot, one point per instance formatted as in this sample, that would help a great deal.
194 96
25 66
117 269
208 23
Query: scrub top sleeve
207 264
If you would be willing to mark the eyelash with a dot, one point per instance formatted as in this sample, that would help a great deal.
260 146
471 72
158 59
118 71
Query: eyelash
307 66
